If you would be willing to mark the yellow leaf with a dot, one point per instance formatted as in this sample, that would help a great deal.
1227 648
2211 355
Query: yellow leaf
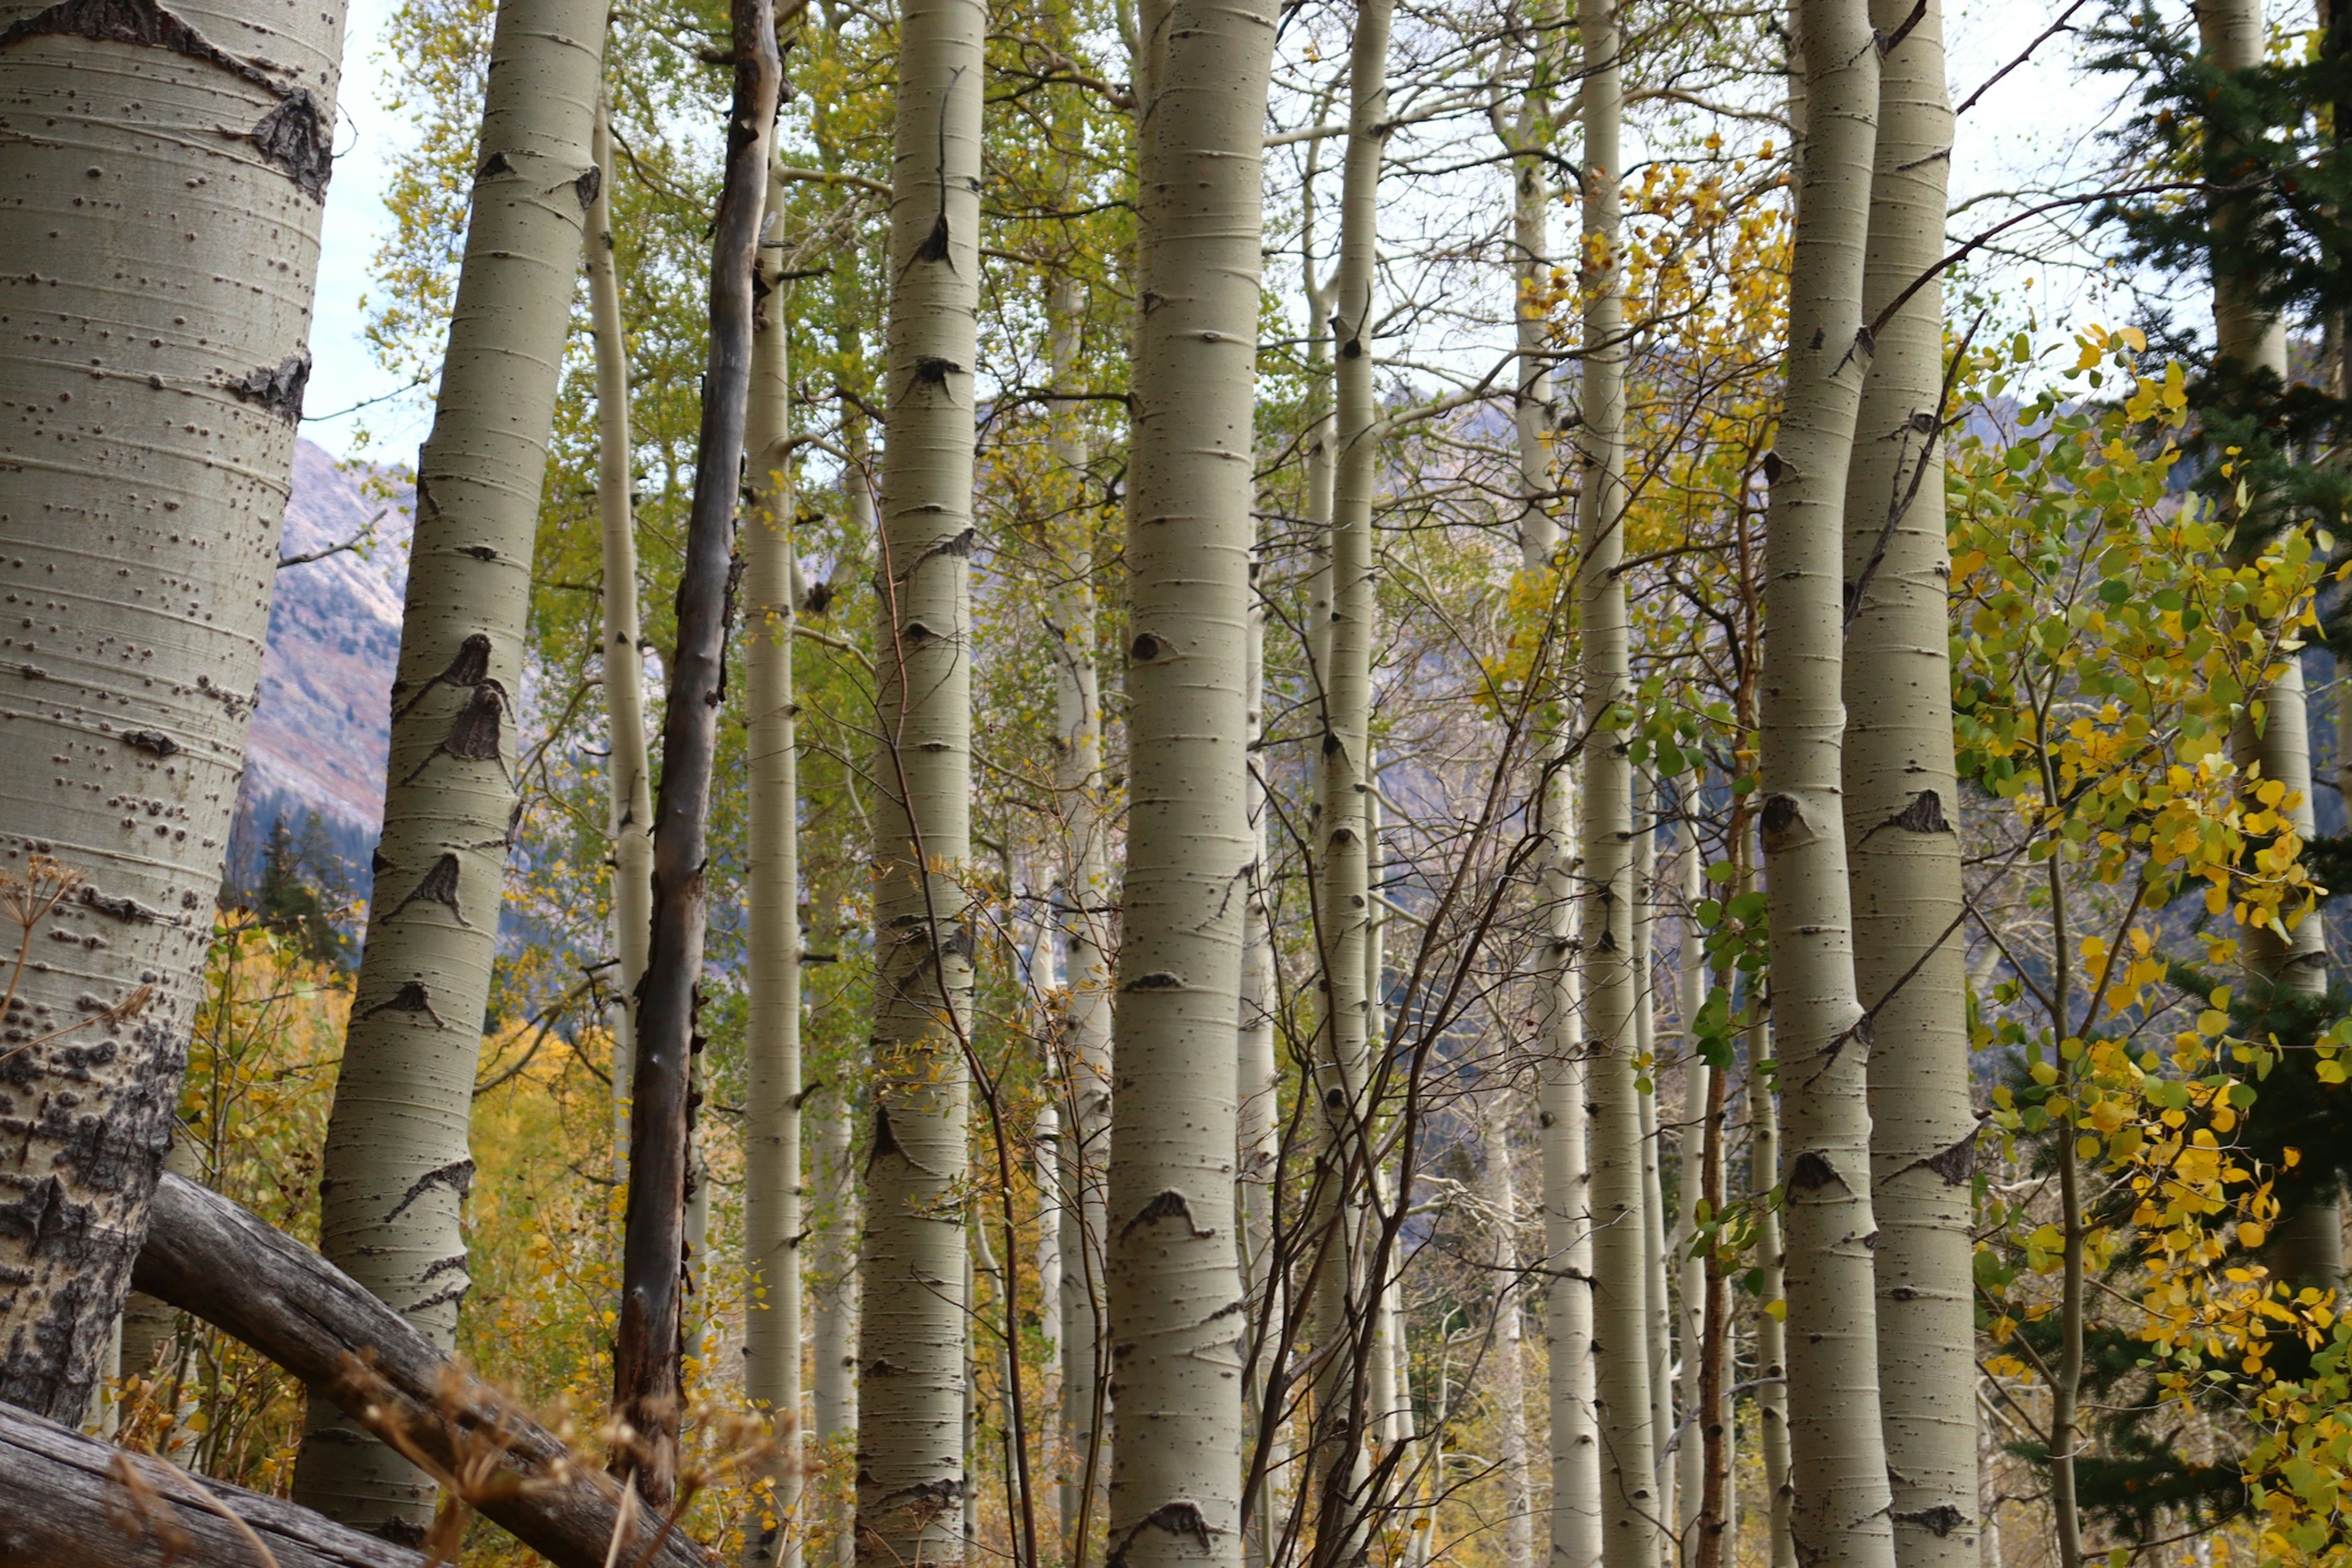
1777 1310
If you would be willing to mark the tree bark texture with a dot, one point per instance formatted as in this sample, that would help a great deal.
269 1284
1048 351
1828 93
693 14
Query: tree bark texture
1904 848
1177 1308
1837 1451
646 1388
1629 1511
254 1283
771 1118
911 1478
628 779
397 1161
1509 1348
71 1501
1659 1317
142 565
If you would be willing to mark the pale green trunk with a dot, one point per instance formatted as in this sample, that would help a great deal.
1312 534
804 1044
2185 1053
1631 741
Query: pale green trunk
398 1165
1904 849
911 1478
771 1111
1177 1307
165 204
629 781
1837 1451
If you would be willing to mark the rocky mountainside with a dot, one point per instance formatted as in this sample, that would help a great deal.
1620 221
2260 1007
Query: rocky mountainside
322 727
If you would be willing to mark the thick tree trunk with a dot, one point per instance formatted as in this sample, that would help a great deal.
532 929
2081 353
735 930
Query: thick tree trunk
1836 1447
628 780
1629 1499
2308 1244
206 1256
771 1118
1904 851
70 1502
1338 1288
125 707
647 1391
911 1478
1177 1307
397 1163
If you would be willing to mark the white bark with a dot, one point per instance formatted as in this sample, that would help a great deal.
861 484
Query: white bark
1629 1499
143 570
1904 851
771 1118
1838 1453
1176 1302
911 1478
396 1166
1660 1323
1772 1333
628 780
1508 1350
1690 1320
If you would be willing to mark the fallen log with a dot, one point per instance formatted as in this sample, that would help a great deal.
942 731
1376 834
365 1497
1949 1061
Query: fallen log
71 1501
236 1271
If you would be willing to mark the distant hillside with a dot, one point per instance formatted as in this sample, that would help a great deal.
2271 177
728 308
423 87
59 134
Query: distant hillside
322 729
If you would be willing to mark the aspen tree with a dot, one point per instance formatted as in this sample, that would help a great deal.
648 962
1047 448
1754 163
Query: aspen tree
1337 1287
772 1117
1176 1302
1903 850
628 779
2307 1245
648 1342
1629 1509
1257 1085
1508 1349
913 1264
1084 884
1770 1327
1659 1319
1698 1410
1838 1453
182 317
397 1165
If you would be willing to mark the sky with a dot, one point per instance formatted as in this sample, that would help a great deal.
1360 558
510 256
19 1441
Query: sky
2032 131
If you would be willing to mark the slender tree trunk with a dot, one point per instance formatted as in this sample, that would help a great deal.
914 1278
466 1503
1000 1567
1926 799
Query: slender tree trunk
772 1120
1629 1501
2307 1247
1509 1350
1660 1323
126 705
1086 920
1771 1331
1698 1403
628 780
911 1478
1904 852
1342 862
647 1391
1176 1302
1257 1089
396 1166
833 1288
1837 1449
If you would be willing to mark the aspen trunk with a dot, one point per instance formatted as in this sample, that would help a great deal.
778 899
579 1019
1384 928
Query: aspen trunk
1509 1350
1338 1288
2308 1244
1698 1403
771 1118
396 1166
647 1387
1837 1450
1904 851
126 705
628 780
912 1479
1771 1331
1629 1513
833 1289
1257 1083
1176 1302
1660 1323
1086 920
